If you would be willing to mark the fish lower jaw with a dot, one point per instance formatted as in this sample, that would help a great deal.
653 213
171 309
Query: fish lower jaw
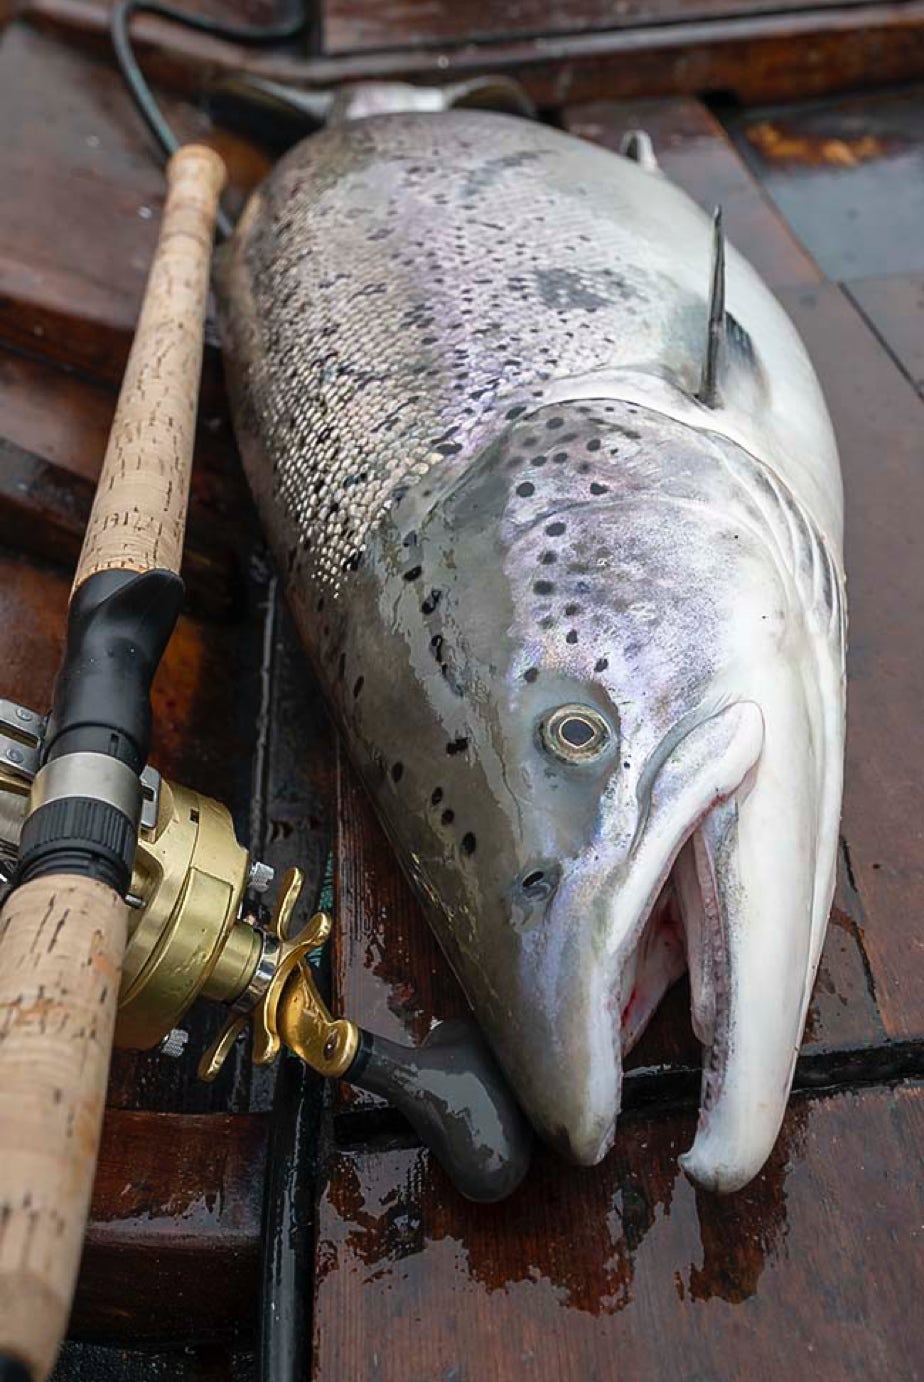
685 933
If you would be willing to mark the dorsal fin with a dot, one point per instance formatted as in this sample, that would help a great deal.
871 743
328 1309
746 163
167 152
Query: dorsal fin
708 391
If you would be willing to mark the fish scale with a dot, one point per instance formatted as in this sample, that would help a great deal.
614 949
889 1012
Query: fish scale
421 338
583 634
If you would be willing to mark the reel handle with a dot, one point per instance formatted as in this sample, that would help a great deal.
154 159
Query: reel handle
449 1088
452 1093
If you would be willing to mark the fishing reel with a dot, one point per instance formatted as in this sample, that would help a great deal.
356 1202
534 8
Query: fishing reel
195 931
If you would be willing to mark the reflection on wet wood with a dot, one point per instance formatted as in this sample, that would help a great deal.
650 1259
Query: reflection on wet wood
627 1270
173 1247
848 175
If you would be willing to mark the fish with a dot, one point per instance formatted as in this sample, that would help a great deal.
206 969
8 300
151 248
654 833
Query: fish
556 502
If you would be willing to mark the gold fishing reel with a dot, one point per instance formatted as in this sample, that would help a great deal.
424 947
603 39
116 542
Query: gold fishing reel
191 934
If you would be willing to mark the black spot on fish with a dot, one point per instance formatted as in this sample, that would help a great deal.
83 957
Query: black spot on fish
397 772
358 685
410 540
571 636
544 587
457 745
526 489
601 664
555 529
431 602
594 444
341 665
548 558
436 796
554 423
572 609
468 843
531 674
513 413
448 816
560 457
599 489
413 573
538 461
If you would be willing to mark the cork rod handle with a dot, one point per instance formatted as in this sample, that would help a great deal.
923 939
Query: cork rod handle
61 947
139 514
62 938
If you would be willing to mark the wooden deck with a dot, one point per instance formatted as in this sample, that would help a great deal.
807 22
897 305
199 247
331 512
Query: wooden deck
623 1272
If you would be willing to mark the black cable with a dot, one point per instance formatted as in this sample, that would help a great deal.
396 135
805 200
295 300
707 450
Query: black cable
135 80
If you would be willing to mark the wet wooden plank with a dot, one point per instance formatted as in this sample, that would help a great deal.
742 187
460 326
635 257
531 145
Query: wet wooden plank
894 308
813 1270
76 238
173 1245
694 152
848 175
44 511
774 56
350 25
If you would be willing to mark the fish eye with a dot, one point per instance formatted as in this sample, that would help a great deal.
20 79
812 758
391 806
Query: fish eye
576 733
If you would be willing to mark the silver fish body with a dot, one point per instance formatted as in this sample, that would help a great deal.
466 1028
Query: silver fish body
584 635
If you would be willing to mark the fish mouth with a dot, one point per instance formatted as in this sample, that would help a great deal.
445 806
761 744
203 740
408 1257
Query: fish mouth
721 881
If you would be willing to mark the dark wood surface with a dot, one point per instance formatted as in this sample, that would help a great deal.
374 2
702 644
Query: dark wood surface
626 1272
155 1221
623 1271
778 55
350 25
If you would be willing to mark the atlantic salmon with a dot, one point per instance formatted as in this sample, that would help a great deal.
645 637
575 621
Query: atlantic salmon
556 500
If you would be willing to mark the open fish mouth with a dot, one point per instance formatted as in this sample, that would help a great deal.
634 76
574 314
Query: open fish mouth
712 884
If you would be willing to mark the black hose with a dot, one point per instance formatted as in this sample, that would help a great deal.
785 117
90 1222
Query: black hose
252 35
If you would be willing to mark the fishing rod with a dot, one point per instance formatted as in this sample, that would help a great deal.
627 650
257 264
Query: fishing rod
65 924
128 895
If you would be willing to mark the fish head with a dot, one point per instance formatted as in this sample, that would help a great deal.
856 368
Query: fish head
632 765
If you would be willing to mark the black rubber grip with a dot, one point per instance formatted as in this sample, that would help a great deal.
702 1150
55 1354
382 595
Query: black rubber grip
118 625
453 1094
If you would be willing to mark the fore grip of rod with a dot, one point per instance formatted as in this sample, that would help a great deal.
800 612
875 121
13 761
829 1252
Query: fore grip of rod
63 930
454 1096
138 517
